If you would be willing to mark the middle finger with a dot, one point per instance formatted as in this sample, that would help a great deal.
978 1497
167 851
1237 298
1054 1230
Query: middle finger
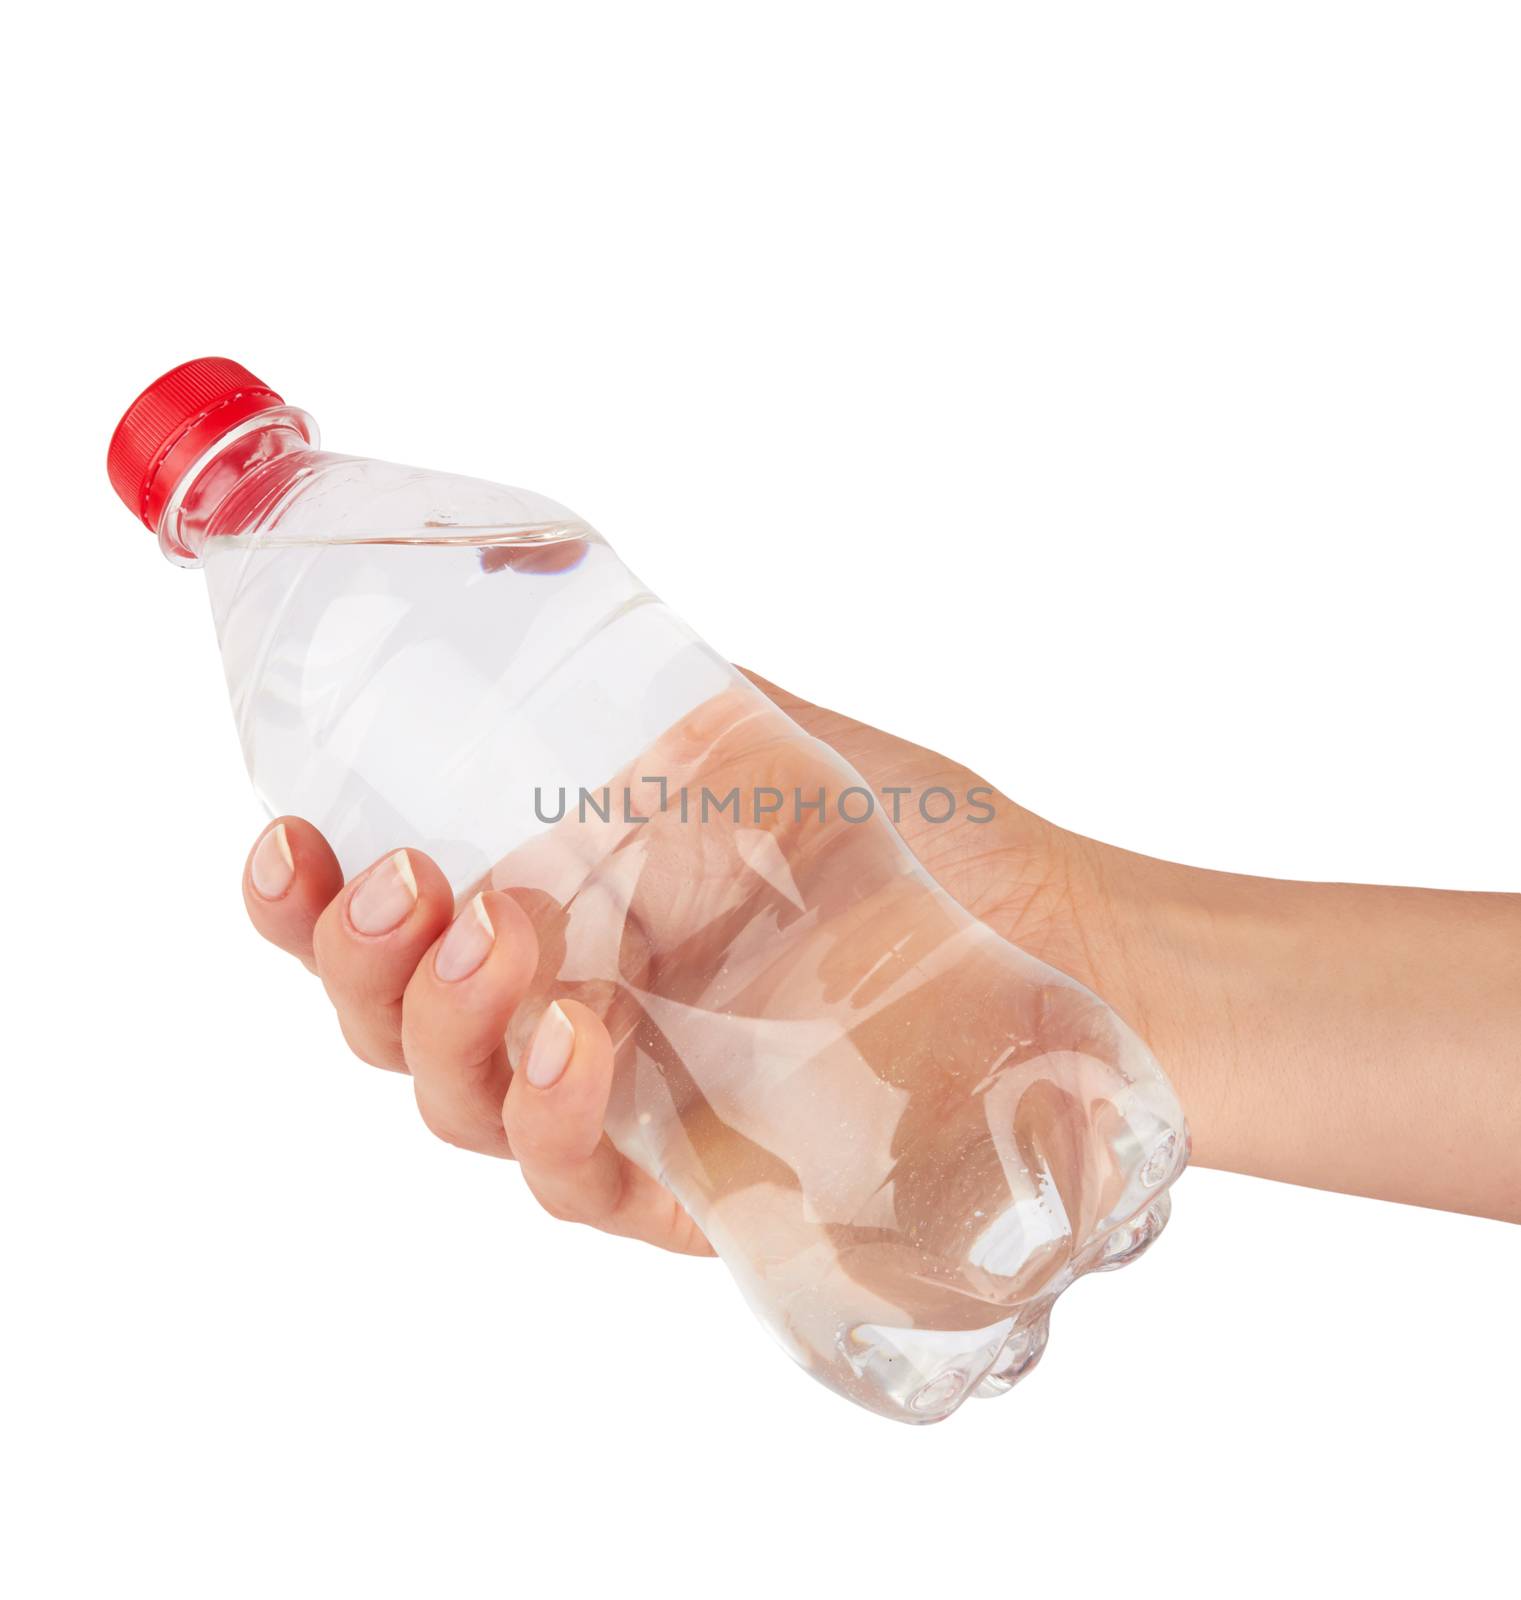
367 943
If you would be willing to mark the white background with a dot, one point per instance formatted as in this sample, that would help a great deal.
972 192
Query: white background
1122 398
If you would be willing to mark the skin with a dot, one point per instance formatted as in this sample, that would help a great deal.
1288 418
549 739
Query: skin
1342 1036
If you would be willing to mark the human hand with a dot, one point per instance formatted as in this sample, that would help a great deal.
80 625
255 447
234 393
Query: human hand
416 992
1343 1036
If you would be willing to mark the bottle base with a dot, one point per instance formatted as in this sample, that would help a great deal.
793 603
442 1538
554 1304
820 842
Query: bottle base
919 1376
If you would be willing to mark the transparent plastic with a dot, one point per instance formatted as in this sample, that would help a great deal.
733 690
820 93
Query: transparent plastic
904 1136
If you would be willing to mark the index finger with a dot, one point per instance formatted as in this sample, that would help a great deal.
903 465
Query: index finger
290 876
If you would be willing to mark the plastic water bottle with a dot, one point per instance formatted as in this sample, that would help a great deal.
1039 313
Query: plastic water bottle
904 1136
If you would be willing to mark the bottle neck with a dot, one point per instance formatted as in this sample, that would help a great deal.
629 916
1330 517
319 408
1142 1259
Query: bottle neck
235 481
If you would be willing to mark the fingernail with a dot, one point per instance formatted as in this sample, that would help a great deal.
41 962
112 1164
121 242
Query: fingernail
385 895
550 1050
467 943
272 868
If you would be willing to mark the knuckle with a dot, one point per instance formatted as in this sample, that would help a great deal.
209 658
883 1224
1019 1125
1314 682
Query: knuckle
537 1145
370 1050
447 1129
356 1042
561 1207
439 1126
548 1141
526 1146
449 1134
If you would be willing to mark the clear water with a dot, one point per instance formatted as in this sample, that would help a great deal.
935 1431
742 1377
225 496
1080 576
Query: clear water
904 1136
441 692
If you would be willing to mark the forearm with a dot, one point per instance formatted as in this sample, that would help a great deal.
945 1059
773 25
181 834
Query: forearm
1338 1035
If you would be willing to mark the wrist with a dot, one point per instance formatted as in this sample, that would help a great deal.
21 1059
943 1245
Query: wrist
1153 936
1344 1036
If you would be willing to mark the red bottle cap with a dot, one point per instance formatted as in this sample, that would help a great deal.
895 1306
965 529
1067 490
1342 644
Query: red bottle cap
172 424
